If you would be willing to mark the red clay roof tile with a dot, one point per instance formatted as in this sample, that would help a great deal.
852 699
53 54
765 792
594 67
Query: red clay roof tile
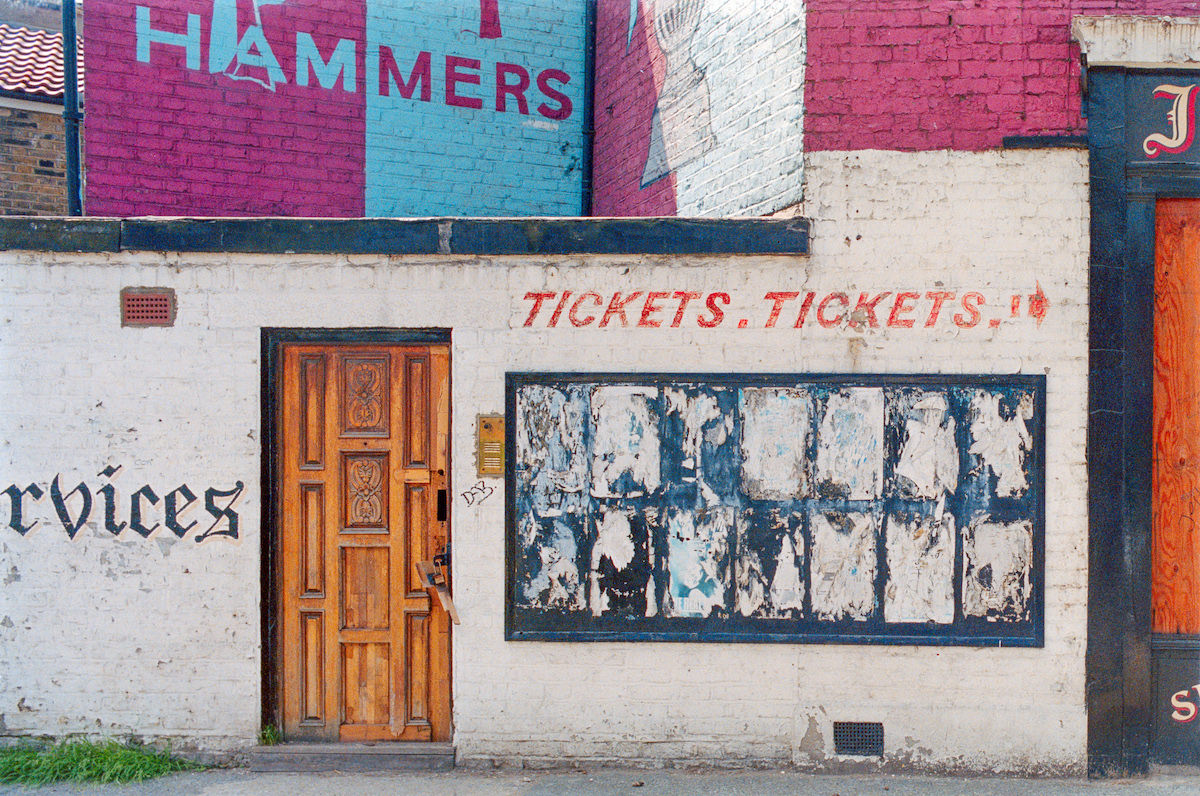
31 61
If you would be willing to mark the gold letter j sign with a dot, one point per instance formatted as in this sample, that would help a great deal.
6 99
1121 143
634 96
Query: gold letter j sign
1180 117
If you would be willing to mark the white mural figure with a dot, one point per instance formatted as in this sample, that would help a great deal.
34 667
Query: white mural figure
681 127
929 459
231 51
1002 443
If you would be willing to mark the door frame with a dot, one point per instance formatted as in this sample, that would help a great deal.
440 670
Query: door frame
1124 191
271 343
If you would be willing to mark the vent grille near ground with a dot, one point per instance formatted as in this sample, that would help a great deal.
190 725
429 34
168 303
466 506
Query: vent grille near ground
858 738
147 307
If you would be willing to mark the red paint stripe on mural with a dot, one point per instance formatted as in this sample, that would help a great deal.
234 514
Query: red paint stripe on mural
629 73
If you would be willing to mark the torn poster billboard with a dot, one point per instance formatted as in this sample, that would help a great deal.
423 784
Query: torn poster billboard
808 508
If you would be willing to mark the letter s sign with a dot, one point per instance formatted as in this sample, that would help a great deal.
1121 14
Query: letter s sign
1185 709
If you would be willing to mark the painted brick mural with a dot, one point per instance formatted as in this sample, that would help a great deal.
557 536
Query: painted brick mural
480 107
698 106
331 108
951 74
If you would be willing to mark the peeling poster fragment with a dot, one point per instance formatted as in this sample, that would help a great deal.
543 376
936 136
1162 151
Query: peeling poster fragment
551 453
770 577
843 564
703 424
775 427
554 580
697 559
620 556
929 461
625 448
1000 437
997 562
920 560
850 445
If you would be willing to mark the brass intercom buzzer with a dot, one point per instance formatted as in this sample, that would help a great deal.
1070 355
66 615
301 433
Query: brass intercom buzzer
489 445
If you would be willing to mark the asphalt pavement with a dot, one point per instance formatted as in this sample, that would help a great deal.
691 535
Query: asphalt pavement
625 782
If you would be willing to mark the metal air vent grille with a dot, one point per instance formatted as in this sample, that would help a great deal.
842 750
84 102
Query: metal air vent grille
858 738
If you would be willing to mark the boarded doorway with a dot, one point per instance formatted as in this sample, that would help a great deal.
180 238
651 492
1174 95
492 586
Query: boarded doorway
362 441
1175 555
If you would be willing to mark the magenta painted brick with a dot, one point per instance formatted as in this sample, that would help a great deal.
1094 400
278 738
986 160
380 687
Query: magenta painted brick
242 132
977 71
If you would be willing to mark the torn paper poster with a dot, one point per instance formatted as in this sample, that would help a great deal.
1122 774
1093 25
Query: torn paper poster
850 445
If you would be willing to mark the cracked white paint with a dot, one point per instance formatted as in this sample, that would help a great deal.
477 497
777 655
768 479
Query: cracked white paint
775 424
624 441
997 561
1002 444
920 559
843 564
696 551
850 444
928 466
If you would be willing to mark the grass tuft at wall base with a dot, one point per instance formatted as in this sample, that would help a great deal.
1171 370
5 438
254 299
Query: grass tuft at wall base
83 761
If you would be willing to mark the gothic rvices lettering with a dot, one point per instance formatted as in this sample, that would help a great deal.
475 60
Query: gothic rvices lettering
145 510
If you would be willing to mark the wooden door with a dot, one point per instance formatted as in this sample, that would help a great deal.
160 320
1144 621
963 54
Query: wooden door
1175 557
363 456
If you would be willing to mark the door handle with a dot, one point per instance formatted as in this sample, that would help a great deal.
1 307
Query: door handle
442 559
441 505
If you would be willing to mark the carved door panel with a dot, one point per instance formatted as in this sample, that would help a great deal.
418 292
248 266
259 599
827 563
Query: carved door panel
363 455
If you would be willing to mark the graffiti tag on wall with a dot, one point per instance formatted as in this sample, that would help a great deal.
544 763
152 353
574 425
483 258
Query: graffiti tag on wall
810 508
177 510
792 309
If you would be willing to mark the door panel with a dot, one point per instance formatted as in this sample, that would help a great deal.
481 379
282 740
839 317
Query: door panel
364 432
1175 553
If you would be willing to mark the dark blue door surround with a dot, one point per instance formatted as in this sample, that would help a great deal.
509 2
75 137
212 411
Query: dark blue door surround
1131 674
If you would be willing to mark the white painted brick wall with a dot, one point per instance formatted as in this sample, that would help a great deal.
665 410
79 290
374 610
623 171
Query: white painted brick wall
161 638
